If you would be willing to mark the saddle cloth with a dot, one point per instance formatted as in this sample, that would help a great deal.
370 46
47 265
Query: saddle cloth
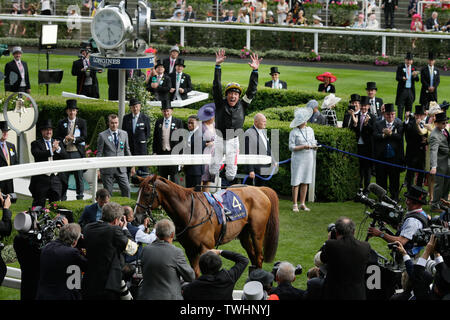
226 205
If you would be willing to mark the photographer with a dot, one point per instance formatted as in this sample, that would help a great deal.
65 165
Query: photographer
415 219
407 275
285 276
57 263
5 230
87 83
346 259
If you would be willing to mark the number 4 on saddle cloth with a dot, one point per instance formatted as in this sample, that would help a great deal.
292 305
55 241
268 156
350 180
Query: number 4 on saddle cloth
227 205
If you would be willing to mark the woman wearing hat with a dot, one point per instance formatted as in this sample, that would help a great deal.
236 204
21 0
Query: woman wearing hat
327 79
206 116
328 111
301 143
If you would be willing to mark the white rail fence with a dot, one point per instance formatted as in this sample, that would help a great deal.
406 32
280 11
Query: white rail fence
249 28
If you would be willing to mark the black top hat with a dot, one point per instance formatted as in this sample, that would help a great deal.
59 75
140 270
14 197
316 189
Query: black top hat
274 70
158 63
365 100
431 55
419 109
4 126
409 56
439 117
71 104
46 124
180 62
263 276
389 107
355 97
417 193
444 105
165 104
371 86
133 102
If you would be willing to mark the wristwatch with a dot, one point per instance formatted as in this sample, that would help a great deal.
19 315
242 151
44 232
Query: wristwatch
382 235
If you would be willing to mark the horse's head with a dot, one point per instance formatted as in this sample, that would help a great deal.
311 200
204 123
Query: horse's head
148 198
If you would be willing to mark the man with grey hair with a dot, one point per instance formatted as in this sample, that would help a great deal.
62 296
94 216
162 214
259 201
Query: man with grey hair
285 276
346 259
163 265
317 116
17 78
106 242
61 265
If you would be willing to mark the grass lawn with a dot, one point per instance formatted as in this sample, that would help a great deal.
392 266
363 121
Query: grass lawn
297 77
301 236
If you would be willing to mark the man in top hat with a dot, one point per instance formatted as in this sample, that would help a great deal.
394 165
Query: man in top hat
376 104
389 7
388 147
17 78
72 132
430 79
363 128
352 112
8 157
439 150
162 137
169 62
49 185
160 83
407 75
194 145
113 142
87 83
230 115
181 82
416 141
137 126
276 83
415 219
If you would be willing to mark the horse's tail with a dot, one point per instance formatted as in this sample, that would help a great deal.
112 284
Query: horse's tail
272 228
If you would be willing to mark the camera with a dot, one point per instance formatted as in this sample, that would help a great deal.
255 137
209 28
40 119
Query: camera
298 269
332 228
351 107
12 197
423 236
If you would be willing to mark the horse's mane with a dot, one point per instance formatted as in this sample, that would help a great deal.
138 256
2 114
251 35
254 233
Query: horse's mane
181 192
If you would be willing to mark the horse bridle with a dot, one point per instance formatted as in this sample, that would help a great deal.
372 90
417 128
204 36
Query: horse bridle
148 209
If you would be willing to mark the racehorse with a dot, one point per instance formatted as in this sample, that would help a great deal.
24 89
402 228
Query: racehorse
197 227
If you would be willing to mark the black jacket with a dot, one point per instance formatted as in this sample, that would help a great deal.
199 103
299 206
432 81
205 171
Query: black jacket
185 83
157 134
137 140
415 144
77 67
197 147
162 91
425 79
401 83
5 223
11 69
220 285
232 117
346 261
395 140
7 186
80 126
255 145
268 84
285 291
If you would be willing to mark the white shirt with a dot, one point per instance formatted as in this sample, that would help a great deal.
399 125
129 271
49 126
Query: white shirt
263 136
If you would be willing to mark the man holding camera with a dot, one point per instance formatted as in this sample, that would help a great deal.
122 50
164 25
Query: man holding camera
87 83
415 219
285 276
5 230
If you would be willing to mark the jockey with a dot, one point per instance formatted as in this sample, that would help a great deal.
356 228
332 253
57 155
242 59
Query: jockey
230 115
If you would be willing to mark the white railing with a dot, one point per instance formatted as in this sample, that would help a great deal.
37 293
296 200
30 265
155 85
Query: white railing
249 28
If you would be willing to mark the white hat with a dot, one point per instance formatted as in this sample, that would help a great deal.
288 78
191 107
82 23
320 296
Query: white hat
312 104
301 115
17 49
433 108
330 101
253 290
316 17
175 48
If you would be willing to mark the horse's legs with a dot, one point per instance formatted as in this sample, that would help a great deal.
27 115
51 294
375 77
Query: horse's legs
257 246
247 244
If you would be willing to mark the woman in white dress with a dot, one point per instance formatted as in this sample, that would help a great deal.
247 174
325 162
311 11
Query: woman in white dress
301 143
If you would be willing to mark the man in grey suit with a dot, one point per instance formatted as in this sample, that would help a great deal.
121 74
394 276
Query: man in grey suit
162 266
113 142
439 160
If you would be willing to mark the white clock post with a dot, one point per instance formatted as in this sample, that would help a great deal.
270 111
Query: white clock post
112 29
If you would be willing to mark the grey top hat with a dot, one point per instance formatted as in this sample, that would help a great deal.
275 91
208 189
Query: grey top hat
17 49
175 48
253 290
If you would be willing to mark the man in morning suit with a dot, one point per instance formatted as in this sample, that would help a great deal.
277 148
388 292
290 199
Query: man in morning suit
376 104
256 142
113 142
275 83
181 82
17 78
169 62
353 111
430 79
346 259
407 75
159 84
194 145
389 7
72 131
363 129
416 142
87 83
162 137
439 150
388 147
137 126
47 186
8 157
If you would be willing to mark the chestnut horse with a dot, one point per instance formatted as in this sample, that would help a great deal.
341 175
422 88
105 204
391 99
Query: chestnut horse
197 227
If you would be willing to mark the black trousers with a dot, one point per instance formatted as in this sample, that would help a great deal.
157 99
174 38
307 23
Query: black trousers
385 173
365 166
389 16
416 162
405 102
193 181
166 171
50 190
78 178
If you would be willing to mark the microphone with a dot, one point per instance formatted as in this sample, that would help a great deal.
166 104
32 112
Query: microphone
380 193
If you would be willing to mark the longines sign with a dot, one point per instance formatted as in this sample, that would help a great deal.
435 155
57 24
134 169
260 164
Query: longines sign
122 62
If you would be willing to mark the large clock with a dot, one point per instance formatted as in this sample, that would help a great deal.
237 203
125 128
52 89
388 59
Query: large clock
111 27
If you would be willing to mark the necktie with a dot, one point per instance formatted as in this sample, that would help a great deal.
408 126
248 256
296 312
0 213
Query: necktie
5 152
116 142
445 133
134 124
49 147
178 77
166 123
431 76
363 116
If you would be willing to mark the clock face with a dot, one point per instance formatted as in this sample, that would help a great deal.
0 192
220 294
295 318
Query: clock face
107 28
